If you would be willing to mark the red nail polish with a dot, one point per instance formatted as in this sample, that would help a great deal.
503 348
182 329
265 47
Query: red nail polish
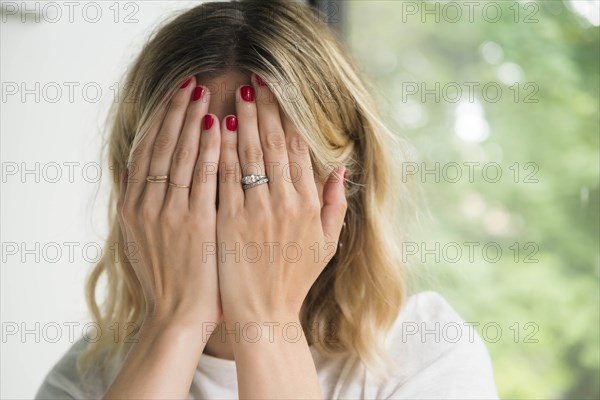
231 123
185 84
208 121
198 91
260 81
345 177
247 92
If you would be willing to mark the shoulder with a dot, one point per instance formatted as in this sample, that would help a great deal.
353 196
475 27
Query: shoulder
438 354
427 306
64 380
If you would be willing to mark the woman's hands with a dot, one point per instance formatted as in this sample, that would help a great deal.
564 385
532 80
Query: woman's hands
173 228
276 238
273 242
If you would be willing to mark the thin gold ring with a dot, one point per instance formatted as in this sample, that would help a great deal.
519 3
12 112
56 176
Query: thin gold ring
179 186
157 178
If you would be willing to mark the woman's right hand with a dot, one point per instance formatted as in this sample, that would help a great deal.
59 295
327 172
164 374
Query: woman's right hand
173 229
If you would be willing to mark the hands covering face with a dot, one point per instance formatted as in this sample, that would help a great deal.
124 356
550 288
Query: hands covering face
258 254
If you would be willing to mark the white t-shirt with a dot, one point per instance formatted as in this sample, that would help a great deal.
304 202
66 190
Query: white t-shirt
438 356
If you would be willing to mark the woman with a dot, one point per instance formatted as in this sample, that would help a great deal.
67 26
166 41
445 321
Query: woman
257 249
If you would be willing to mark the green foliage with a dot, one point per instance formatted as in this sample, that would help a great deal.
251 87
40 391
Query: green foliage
543 291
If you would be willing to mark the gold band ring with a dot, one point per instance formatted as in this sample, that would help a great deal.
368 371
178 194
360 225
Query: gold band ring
157 178
179 186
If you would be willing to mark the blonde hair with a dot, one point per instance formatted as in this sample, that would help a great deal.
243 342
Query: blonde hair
356 299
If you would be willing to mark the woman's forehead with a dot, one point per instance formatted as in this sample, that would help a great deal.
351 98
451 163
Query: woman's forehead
222 91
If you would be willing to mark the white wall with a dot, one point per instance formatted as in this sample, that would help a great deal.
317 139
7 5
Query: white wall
52 130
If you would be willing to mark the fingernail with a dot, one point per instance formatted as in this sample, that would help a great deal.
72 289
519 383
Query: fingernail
260 81
198 91
208 121
344 183
231 123
185 84
247 92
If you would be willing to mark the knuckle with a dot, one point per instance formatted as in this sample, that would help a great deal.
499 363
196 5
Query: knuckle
311 207
249 111
286 209
229 144
148 212
264 204
181 154
193 113
163 143
298 145
253 153
195 223
228 213
204 214
200 176
179 103
169 219
140 150
203 171
275 140
268 215
228 172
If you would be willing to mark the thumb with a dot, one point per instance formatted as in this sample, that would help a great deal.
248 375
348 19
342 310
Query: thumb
334 205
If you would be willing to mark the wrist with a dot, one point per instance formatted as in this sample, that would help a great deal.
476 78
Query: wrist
280 317
180 324
237 310
248 332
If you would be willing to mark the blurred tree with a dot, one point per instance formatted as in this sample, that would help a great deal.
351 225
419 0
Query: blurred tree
533 69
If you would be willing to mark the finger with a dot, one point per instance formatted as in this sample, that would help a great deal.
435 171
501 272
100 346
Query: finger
300 165
139 164
334 206
166 140
231 195
204 184
186 151
272 136
249 146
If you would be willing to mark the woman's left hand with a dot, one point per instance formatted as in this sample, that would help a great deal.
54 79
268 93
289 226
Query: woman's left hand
274 239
